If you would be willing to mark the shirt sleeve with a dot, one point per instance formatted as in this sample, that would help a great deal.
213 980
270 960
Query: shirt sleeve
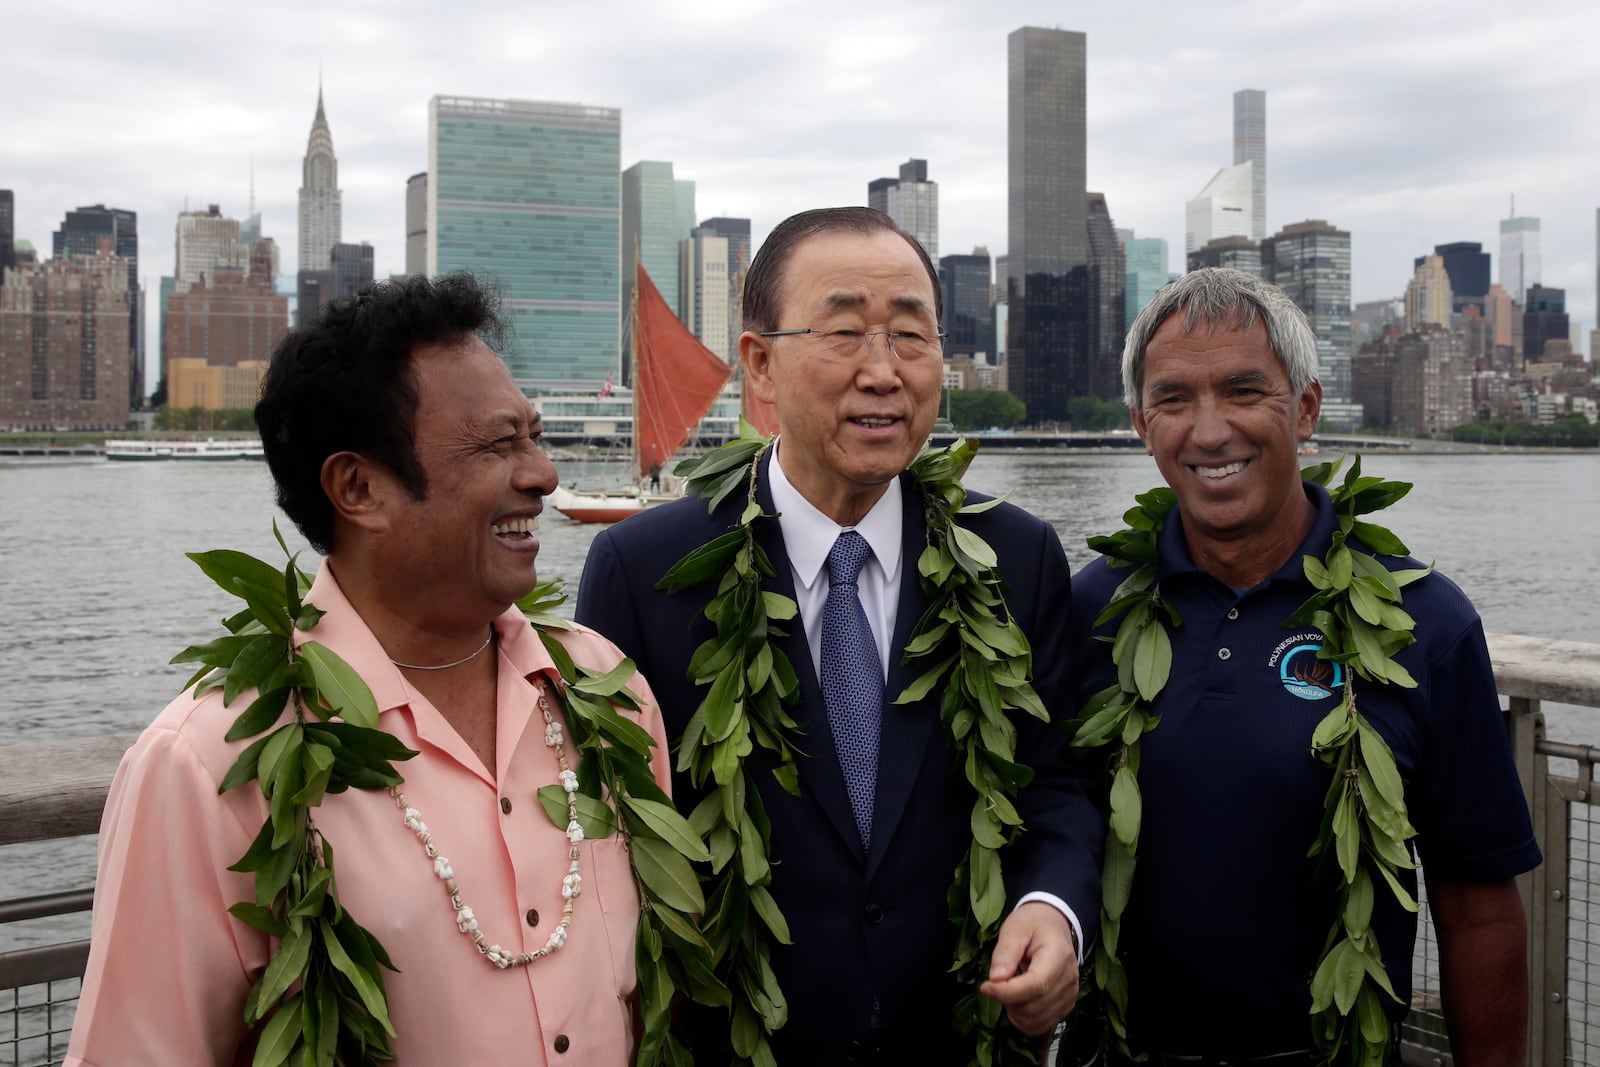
169 968
1473 825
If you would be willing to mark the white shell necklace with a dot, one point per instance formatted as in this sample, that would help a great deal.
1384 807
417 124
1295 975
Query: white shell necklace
466 922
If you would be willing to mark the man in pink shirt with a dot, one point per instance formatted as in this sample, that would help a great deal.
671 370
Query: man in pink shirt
401 448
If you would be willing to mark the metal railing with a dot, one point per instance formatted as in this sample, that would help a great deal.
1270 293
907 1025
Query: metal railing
57 790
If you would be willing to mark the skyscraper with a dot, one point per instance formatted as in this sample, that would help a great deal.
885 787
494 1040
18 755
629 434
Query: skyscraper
8 232
1428 295
1235 251
1250 146
657 213
1519 255
1108 282
968 313
1543 321
1311 262
912 201
80 235
703 289
417 224
64 359
530 192
1146 267
207 242
1048 234
1221 209
319 195
351 267
1467 264
737 233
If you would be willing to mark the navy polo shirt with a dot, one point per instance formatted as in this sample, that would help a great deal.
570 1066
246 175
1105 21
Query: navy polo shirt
1226 921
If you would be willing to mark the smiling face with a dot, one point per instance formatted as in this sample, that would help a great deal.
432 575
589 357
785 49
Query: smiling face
848 426
1224 426
466 549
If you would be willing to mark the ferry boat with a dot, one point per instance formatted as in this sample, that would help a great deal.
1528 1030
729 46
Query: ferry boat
207 448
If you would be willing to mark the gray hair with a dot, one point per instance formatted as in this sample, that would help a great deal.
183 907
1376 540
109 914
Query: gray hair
1220 298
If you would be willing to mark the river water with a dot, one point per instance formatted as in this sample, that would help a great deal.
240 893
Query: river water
97 594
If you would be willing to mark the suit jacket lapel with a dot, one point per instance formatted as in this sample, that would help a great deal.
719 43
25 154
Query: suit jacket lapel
821 778
907 728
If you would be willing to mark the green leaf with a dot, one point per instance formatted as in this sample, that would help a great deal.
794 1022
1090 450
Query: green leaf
339 686
255 663
604 685
1379 539
667 875
666 823
219 653
985 829
262 712
244 768
286 965
1380 764
766 907
367 986
988 887
1126 808
1340 568
595 817
1116 877
704 563
1358 905
1152 660
973 547
280 1035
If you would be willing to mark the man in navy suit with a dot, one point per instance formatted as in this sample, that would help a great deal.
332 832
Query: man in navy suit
842 314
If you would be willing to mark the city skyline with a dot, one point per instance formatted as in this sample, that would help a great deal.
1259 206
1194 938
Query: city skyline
1397 144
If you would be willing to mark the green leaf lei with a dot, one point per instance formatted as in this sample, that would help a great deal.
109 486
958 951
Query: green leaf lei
322 996
978 661
1364 832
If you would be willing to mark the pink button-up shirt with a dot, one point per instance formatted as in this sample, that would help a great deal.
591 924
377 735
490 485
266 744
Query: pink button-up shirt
169 968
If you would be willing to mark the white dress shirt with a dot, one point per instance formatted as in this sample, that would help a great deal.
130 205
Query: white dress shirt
808 537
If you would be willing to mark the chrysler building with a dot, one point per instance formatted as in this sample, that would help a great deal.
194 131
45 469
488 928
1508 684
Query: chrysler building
319 196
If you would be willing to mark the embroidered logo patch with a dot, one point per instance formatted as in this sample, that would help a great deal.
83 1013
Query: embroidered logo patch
1306 676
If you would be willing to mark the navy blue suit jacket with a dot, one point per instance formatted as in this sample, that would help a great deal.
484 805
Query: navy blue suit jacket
871 930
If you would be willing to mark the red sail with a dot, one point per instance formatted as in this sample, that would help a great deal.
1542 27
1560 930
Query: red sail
676 379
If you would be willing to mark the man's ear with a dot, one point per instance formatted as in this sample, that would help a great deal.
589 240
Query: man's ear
1137 417
1310 410
357 488
756 355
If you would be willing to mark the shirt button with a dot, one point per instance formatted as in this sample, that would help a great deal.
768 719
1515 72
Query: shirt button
533 917
1224 653
505 805
1233 613
562 1044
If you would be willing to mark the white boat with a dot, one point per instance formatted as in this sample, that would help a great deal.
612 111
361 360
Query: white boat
605 505
207 448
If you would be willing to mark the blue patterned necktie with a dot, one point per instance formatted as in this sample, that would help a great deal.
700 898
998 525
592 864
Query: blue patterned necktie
852 677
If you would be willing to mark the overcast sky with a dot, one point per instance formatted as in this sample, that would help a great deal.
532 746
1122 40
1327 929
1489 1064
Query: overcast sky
1407 122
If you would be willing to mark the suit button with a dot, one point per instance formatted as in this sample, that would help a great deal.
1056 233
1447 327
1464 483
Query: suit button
505 805
874 913
562 1044
533 917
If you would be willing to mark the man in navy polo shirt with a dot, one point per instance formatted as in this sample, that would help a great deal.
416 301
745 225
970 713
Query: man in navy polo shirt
1226 923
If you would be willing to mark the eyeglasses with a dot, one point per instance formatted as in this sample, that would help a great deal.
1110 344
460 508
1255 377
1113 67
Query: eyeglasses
846 345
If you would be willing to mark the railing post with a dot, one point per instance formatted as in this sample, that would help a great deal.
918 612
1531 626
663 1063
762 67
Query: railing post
1547 913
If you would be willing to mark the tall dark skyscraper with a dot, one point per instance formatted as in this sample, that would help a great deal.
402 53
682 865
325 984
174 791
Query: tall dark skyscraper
1467 264
968 314
1048 255
351 266
80 235
1545 320
8 232
1108 285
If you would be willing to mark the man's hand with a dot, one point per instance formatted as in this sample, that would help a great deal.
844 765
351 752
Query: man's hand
1034 969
